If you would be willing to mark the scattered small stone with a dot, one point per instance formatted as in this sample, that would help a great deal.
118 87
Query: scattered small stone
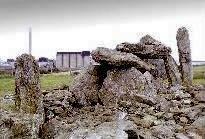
200 96
184 120
187 101
181 136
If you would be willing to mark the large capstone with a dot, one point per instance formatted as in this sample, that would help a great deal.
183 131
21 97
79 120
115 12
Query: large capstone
147 48
184 49
117 59
28 93
155 51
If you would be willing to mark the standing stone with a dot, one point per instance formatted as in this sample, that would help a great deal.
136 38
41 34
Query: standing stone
28 93
184 49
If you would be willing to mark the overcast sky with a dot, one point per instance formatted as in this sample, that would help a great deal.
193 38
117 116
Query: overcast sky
84 24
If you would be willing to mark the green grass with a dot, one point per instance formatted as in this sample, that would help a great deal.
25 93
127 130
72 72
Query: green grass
55 80
199 75
48 82
51 81
199 72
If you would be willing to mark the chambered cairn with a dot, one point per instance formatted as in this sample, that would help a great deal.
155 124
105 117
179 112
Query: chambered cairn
133 91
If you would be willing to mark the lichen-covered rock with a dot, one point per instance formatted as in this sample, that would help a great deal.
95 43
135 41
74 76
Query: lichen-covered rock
184 50
86 85
163 131
18 125
127 85
172 71
159 71
117 59
200 96
199 123
27 82
147 48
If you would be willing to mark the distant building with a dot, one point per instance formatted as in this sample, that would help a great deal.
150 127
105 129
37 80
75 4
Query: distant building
11 62
195 63
72 60
46 65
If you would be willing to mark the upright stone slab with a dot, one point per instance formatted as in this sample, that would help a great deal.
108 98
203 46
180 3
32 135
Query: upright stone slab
28 93
184 49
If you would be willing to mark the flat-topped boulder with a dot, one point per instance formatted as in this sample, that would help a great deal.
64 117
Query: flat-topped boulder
144 50
117 59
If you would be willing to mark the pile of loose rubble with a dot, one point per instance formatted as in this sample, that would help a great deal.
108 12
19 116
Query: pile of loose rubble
126 96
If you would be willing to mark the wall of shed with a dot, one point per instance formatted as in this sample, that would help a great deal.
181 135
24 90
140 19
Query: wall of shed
72 61
59 61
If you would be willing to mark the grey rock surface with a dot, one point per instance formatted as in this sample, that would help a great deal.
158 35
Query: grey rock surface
28 94
128 85
19 125
85 86
117 59
147 48
184 50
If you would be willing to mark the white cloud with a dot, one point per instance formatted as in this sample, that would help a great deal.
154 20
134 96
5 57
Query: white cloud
48 42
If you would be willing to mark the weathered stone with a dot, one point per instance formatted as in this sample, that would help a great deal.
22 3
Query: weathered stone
159 65
127 85
19 125
162 131
200 96
28 93
192 112
186 101
196 136
179 94
56 129
163 104
171 67
149 48
145 51
199 123
183 120
149 120
117 59
86 85
184 49
147 39
181 136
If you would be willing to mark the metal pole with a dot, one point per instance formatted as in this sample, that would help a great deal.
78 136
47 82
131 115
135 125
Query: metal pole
30 40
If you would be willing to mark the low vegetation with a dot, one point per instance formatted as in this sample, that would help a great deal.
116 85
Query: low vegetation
55 80
199 75
48 82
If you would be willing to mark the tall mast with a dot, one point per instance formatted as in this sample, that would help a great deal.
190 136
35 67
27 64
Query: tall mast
30 40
